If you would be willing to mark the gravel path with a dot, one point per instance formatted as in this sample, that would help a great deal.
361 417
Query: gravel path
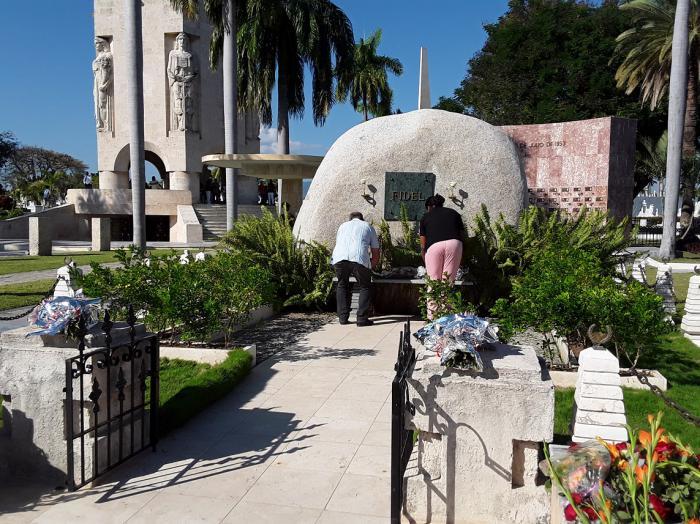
280 332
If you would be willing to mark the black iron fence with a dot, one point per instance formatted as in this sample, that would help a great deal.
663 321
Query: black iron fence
401 438
648 231
111 401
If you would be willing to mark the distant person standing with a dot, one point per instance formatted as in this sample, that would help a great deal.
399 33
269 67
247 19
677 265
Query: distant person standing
356 252
262 192
87 180
207 190
154 184
47 197
271 190
441 237
216 192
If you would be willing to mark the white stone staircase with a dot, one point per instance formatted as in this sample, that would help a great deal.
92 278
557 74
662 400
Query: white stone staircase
213 218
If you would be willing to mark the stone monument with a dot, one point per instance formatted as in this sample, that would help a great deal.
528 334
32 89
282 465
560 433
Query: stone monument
690 325
181 74
472 162
479 435
599 409
103 82
585 163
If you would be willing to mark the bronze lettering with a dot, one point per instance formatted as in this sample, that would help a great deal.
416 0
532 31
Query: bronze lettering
395 196
414 196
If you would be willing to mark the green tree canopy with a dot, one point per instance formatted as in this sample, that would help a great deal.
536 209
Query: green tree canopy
550 61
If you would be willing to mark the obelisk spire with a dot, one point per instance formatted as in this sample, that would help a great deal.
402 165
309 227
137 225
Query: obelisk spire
424 81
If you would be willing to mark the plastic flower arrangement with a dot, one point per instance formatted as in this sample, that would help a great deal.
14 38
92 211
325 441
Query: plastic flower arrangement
653 479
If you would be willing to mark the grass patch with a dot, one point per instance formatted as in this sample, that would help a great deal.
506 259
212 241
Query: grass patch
23 294
24 264
678 359
186 388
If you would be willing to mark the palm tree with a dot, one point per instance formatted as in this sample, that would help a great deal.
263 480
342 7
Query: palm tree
134 69
368 86
646 51
222 15
276 40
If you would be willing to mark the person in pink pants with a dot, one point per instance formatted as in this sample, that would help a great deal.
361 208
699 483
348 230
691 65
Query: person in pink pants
441 237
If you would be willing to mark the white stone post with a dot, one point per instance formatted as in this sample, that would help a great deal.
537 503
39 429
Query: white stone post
39 236
599 409
690 325
101 233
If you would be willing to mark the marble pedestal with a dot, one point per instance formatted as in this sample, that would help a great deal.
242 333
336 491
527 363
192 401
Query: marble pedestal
599 405
690 325
479 434
664 288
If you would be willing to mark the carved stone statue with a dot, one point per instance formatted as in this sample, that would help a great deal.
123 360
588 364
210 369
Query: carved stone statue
181 72
103 79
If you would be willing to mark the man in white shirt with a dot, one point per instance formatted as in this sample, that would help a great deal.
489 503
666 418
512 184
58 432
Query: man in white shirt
87 180
355 240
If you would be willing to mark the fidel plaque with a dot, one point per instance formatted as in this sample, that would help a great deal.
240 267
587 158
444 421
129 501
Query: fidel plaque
409 189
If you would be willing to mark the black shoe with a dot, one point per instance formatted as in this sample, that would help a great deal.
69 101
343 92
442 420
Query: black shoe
344 322
365 323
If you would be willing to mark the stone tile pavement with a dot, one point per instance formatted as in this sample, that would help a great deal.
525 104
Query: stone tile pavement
305 438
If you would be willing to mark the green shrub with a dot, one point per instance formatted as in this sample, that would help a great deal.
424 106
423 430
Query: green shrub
197 299
186 388
301 271
567 289
498 251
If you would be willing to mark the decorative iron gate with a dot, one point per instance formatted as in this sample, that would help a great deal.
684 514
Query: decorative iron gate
111 402
401 438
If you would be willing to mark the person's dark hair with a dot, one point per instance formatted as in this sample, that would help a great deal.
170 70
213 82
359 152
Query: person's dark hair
434 201
356 214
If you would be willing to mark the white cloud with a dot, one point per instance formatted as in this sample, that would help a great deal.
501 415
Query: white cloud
268 143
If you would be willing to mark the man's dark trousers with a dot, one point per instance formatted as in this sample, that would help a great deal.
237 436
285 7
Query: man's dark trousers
343 270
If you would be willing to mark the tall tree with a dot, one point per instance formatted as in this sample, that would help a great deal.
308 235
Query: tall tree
31 169
678 92
134 107
277 38
552 61
223 16
646 52
8 146
368 85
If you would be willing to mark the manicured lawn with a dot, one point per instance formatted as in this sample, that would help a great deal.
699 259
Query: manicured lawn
23 264
24 294
678 359
186 388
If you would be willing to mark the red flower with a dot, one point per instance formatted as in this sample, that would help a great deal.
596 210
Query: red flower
621 446
657 505
578 498
665 447
570 513
590 512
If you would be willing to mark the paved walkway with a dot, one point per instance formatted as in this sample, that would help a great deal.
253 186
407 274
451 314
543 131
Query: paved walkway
305 438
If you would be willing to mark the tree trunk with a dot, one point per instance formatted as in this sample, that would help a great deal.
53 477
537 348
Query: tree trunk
676 114
282 127
230 66
134 107
364 106
689 141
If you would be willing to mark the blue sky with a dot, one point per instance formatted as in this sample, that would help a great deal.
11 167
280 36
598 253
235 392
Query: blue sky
46 81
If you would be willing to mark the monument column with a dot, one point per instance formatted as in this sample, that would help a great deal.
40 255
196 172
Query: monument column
114 180
293 194
185 181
